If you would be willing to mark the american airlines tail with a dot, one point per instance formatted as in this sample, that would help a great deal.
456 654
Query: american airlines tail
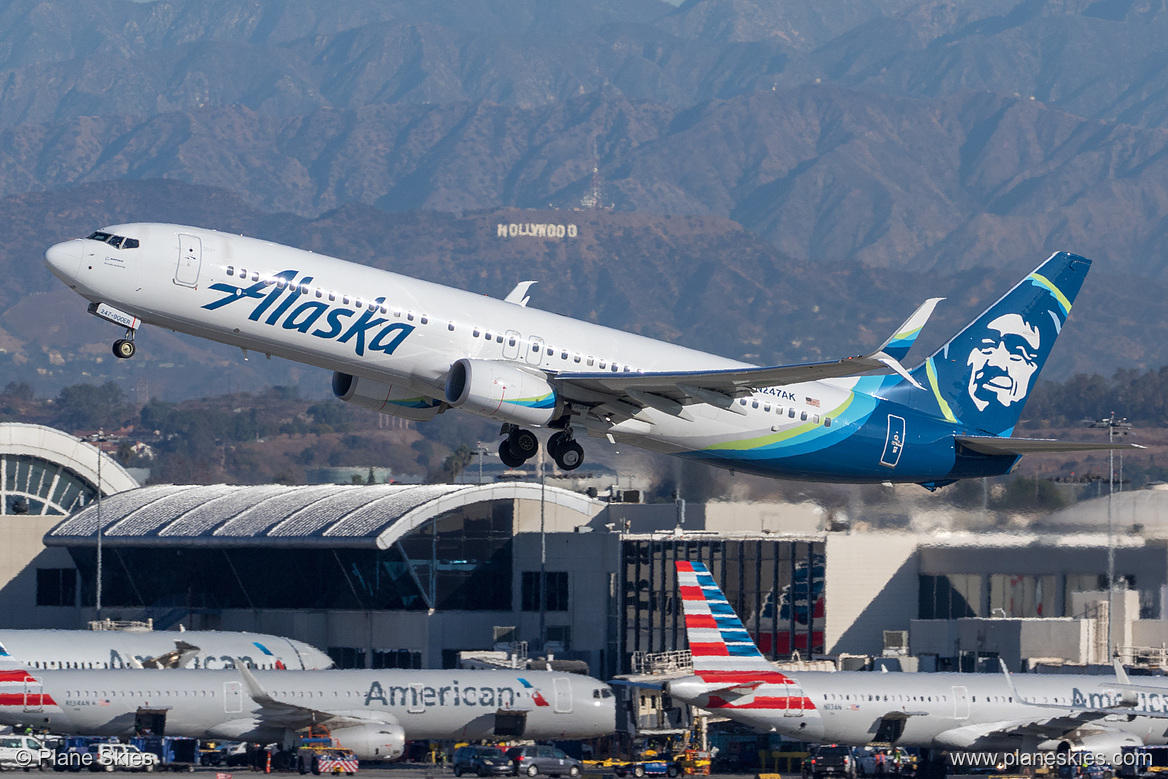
981 377
718 640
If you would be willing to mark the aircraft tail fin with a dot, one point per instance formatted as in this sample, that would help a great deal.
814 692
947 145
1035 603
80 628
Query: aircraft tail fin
982 376
718 640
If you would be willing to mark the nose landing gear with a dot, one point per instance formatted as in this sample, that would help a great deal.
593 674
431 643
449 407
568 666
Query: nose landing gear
124 347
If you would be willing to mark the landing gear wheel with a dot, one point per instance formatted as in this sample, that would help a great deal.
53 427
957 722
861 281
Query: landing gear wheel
565 451
523 443
510 459
569 456
123 349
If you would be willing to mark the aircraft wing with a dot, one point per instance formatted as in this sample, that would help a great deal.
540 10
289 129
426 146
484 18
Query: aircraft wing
624 394
178 657
1055 726
293 716
989 444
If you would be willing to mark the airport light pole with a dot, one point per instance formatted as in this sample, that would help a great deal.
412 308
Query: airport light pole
1122 426
100 526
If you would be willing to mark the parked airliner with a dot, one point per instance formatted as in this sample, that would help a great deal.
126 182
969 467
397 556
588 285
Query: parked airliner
953 711
414 349
39 649
372 713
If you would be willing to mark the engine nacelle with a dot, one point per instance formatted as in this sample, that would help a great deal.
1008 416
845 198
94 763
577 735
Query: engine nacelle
500 390
1105 746
393 399
372 742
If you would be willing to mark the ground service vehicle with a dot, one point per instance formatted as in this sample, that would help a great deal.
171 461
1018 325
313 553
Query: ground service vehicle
833 760
20 752
536 760
481 760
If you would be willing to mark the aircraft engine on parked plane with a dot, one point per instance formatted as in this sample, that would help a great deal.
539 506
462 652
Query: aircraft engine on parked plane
501 391
394 399
1106 745
372 742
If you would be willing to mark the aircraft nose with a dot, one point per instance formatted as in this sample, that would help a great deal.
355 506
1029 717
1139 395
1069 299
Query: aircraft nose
64 259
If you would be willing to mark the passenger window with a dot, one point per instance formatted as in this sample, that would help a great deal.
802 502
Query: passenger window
511 341
564 355
498 338
486 334
255 275
779 410
385 310
332 296
815 419
803 416
475 333
424 319
615 368
535 348
410 316
281 283
742 401
356 303
345 300
827 421
450 326
230 270
602 364
304 289
397 312
754 404
320 293
591 360
242 273
791 412
576 358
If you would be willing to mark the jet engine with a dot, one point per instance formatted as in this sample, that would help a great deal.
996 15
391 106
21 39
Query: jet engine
394 399
1107 745
503 391
375 741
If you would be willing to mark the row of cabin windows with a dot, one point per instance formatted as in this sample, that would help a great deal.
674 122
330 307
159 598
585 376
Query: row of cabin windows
549 350
158 694
791 412
58 664
927 698
476 332
305 289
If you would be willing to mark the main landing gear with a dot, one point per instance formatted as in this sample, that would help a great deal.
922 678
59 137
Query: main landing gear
124 347
521 445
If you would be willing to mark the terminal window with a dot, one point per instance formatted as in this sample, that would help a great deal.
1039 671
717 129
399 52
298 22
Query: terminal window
56 587
555 591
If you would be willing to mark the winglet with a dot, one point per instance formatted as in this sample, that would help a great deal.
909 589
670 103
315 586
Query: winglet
519 295
254 688
898 344
1120 673
1010 680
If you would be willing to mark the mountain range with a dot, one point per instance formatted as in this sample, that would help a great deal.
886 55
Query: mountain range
771 181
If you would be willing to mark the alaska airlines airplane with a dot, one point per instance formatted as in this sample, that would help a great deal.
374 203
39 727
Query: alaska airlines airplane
37 649
415 349
372 713
954 711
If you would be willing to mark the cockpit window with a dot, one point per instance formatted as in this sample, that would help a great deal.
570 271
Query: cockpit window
116 241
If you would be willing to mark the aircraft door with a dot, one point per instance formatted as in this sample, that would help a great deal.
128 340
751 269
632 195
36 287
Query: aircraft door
33 695
794 701
232 697
190 258
894 442
534 349
563 689
150 722
960 703
513 346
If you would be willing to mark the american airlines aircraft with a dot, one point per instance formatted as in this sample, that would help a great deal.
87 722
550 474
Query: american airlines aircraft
39 649
415 349
372 713
951 711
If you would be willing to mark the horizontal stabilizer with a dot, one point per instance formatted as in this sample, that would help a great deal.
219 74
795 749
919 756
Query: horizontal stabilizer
991 444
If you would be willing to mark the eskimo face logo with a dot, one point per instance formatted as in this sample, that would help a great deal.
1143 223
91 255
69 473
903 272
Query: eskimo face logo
1004 362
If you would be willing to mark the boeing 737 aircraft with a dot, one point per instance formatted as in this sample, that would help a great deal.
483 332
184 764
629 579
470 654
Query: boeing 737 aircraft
1001 712
414 349
39 649
372 713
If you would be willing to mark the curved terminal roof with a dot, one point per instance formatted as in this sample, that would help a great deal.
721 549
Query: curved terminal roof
328 515
48 471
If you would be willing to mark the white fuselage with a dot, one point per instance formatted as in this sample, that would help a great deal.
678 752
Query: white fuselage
60 649
220 704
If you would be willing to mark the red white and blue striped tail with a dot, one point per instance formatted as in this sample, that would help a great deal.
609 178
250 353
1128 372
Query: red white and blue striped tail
718 640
